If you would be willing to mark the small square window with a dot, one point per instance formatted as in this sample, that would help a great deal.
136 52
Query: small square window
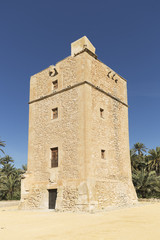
55 84
50 73
54 157
101 112
54 113
103 154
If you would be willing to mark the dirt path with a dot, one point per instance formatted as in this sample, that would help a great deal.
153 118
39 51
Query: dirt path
138 223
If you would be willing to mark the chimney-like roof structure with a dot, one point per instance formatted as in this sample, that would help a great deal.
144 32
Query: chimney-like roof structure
80 45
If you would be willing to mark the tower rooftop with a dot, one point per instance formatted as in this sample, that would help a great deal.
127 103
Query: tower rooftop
80 45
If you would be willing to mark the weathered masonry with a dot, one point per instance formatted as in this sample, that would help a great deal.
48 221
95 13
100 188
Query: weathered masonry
78 153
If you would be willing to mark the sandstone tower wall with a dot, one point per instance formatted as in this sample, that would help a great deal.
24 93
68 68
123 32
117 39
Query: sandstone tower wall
90 132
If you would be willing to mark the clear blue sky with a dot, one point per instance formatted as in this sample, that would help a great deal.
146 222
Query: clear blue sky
35 34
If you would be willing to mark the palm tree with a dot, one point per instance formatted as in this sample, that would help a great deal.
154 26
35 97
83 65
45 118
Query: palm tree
138 162
146 184
10 185
10 179
7 167
24 168
6 160
140 148
154 159
135 161
2 144
3 193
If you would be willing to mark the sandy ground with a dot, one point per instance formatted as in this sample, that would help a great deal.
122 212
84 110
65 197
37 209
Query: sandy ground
139 223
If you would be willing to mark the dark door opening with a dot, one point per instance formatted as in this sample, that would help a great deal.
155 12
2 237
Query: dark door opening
52 198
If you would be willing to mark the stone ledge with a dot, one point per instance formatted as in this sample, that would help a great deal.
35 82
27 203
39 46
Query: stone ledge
149 200
9 203
88 51
76 85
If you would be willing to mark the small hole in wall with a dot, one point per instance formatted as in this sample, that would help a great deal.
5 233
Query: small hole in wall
103 154
55 84
101 112
54 113
50 73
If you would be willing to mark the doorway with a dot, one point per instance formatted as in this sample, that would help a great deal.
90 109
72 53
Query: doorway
52 198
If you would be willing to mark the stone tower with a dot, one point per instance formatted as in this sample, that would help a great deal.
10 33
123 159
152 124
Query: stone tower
78 153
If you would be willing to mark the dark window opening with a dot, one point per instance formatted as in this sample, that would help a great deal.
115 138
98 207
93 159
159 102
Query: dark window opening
55 84
103 154
54 157
50 73
55 113
101 112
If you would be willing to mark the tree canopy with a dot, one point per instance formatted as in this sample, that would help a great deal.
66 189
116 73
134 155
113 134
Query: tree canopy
10 177
2 144
146 171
